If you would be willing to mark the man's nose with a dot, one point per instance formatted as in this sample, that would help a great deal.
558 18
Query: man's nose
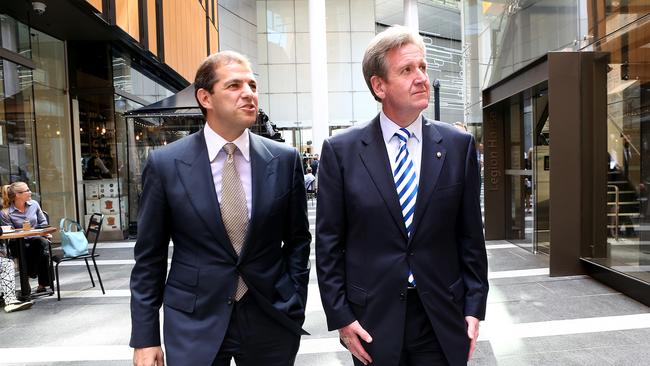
421 76
248 91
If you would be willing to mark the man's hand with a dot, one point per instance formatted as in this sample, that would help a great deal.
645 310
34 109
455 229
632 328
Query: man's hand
149 356
472 334
350 335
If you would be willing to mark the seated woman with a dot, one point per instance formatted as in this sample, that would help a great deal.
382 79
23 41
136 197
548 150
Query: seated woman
18 208
8 284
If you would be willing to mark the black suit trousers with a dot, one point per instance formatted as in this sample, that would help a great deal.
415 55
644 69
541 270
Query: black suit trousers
254 339
420 346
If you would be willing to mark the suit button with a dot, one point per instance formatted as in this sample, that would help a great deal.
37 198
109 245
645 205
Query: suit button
402 297
411 254
230 301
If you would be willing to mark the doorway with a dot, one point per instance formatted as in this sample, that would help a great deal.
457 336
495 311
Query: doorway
527 169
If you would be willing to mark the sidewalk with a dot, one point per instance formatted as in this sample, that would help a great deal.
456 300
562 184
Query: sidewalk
532 319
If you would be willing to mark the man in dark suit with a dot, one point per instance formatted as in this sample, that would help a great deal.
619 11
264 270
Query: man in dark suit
234 205
400 252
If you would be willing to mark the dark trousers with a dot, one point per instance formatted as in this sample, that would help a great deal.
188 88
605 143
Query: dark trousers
421 346
37 260
254 339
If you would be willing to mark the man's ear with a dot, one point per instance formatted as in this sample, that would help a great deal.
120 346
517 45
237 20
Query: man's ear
203 96
378 86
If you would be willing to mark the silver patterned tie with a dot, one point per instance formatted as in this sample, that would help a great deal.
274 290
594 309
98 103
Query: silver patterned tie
234 211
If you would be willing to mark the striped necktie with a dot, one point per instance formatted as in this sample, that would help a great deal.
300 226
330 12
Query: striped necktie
234 210
406 183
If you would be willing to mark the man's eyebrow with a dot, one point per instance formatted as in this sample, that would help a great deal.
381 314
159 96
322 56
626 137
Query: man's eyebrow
240 81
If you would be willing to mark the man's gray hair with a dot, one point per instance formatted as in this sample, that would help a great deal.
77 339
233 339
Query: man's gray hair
206 75
374 59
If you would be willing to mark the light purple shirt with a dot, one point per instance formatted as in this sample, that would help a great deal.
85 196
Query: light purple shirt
33 214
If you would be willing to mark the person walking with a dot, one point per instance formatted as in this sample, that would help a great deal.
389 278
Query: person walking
400 253
234 205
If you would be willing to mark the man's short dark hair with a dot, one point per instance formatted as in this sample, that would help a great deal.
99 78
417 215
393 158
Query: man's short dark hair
206 75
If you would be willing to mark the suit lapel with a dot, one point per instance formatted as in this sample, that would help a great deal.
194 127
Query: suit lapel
375 159
431 162
196 176
263 165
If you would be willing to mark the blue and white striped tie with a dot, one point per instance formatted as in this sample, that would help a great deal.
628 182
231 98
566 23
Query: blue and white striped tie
406 182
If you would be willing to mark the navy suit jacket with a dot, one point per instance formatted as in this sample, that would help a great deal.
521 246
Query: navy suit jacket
363 252
179 201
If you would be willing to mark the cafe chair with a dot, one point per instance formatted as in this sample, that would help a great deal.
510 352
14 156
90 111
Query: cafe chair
50 259
92 234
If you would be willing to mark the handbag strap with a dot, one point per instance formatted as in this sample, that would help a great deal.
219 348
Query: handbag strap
62 227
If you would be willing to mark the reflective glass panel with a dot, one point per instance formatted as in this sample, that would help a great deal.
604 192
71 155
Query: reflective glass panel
628 146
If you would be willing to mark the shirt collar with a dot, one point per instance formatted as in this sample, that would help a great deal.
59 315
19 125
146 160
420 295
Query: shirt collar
215 143
388 127
13 208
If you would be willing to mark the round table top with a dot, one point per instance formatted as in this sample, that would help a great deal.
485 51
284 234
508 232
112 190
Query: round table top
20 233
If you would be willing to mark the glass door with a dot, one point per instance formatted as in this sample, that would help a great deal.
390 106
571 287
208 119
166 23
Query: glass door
541 171
519 171
528 169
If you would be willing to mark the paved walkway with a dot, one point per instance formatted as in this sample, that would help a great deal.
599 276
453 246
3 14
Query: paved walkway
532 319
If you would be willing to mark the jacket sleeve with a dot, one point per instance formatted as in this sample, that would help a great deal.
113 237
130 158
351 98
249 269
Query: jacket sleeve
471 243
330 240
150 269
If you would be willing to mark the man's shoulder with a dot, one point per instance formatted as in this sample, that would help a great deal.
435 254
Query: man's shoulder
276 148
179 147
353 133
447 130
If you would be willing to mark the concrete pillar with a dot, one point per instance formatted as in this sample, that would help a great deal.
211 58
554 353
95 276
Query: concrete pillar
411 14
318 57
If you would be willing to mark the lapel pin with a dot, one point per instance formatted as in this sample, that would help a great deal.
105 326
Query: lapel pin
438 155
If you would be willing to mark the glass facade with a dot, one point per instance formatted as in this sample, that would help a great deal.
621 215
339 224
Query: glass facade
502 37
499 40
626 45
283 55
35 136
53 129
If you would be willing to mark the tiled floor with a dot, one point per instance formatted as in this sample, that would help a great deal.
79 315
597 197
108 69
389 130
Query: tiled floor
532 319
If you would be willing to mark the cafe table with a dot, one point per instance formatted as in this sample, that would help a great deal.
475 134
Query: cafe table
20 235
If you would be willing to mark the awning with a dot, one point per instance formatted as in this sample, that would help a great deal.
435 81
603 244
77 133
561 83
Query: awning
181 104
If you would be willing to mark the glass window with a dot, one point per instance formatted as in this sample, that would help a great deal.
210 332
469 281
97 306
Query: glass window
53 128
17 153
132 81
628 147
14 36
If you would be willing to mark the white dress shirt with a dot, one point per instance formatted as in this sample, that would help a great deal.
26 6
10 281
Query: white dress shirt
414 144
242 158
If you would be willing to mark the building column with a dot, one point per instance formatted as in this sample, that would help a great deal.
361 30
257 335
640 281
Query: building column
411 14
318 63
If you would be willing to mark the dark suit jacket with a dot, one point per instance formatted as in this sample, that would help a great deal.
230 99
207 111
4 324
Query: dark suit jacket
179 201
363 253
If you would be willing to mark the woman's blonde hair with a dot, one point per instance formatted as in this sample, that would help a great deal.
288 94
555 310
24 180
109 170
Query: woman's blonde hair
5 196
9 193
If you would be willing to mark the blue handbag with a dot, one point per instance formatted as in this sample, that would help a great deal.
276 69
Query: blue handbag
73 243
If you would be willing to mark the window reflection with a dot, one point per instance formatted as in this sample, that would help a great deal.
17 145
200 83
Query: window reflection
628 148
17 154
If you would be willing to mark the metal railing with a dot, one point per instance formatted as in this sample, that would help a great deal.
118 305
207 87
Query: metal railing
616 206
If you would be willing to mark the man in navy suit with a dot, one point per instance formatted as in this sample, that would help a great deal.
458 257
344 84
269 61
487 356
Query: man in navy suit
234 205
400 253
